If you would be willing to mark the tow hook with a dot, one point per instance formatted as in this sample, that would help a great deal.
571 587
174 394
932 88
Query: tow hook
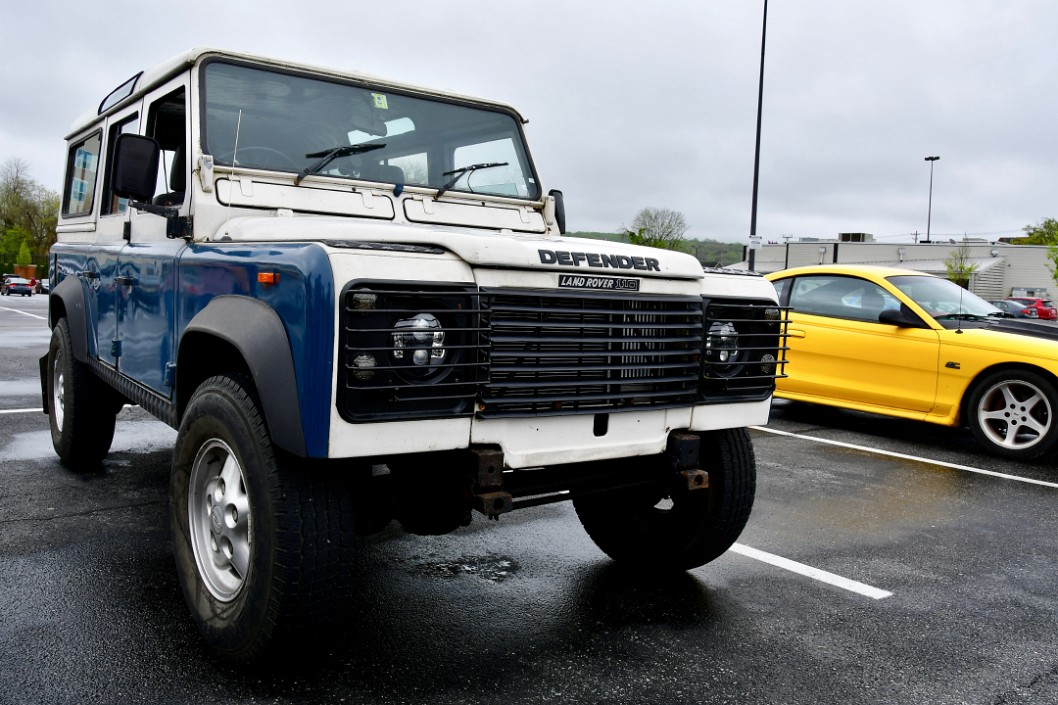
683 449
490 498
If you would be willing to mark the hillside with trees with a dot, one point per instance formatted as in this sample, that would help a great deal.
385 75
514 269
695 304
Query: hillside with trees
28 214
667 229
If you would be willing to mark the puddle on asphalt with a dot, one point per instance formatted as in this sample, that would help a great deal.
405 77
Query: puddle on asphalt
130 436
492 568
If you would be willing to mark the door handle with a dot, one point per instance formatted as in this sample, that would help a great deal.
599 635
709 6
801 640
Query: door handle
125 281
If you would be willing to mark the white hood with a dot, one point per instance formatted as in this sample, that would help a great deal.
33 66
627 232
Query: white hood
479 248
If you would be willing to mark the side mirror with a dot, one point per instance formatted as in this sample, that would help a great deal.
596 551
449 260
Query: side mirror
903 317
135 167
560 209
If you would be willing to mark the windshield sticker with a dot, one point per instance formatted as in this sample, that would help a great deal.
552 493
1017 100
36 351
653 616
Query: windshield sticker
380 101
577 281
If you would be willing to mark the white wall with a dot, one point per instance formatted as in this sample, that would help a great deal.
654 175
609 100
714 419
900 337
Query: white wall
1020 265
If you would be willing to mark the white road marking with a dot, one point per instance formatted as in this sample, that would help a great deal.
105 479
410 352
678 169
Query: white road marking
905 456
24 313
38 410
813 573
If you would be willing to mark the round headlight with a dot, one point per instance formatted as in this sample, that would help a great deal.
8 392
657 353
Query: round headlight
418 344
722 353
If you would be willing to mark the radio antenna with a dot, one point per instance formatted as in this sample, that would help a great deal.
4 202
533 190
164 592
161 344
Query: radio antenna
234 161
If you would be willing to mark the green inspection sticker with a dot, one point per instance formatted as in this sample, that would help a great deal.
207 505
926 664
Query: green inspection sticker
380 101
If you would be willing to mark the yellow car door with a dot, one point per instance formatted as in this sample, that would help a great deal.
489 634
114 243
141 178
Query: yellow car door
840 353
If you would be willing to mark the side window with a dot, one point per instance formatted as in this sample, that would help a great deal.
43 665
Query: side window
840 297
166 122
82 166
782 288
112 205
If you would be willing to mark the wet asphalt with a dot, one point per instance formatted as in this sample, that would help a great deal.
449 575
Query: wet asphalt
527 610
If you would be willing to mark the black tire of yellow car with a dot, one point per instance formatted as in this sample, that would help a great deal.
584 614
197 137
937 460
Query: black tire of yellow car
1003 402
298 550
698 527
82 410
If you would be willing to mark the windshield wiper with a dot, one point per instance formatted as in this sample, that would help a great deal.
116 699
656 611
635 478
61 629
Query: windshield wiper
329 155
456 174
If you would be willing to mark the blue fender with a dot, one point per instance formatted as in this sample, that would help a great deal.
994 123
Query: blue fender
254 329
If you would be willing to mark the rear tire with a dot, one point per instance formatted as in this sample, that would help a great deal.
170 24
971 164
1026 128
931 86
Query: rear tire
82 410
259 544
678 529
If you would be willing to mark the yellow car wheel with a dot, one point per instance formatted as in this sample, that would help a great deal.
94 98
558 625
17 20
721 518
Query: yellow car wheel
1013 414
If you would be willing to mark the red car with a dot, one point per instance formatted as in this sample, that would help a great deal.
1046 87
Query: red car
1044 308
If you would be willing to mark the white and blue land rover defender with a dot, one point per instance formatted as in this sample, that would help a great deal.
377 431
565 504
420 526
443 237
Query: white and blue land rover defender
354 301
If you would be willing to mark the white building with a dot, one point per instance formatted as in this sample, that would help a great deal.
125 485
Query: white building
1000 269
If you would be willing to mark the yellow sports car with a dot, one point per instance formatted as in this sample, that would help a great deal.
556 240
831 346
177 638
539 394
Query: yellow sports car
909 344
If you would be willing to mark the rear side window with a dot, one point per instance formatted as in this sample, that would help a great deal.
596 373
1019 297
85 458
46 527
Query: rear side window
82 166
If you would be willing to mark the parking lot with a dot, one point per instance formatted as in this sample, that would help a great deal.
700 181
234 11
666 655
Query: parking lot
885 562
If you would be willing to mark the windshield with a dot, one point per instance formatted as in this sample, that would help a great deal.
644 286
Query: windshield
294 123
943 298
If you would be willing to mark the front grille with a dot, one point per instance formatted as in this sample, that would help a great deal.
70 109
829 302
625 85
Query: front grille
535 352
555 352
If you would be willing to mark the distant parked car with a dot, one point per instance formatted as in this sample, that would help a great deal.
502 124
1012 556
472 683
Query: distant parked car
1045 309
1015 309
16 285
43 286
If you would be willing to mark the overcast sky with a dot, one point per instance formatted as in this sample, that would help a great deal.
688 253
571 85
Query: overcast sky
636 104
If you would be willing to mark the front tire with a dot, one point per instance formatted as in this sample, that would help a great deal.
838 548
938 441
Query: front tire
1012 413
82 410
686 528
258 543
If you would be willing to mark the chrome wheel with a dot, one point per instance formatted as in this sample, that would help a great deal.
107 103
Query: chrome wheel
58 389
218 513
82 410
1014 414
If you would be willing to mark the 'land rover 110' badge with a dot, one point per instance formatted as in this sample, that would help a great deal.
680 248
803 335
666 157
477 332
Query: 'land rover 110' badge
580 281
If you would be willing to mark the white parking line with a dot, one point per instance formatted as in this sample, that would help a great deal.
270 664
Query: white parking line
905 456
38 410
24 313
813 573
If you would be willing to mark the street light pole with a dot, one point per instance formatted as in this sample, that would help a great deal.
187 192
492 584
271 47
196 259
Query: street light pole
929 213
756 152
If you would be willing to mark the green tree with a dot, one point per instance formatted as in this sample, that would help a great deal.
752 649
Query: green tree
658 227
23 258
11 242
26 207
959 266
1043 233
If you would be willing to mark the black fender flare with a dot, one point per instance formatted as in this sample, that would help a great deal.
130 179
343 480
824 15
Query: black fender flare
70 293
255 330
